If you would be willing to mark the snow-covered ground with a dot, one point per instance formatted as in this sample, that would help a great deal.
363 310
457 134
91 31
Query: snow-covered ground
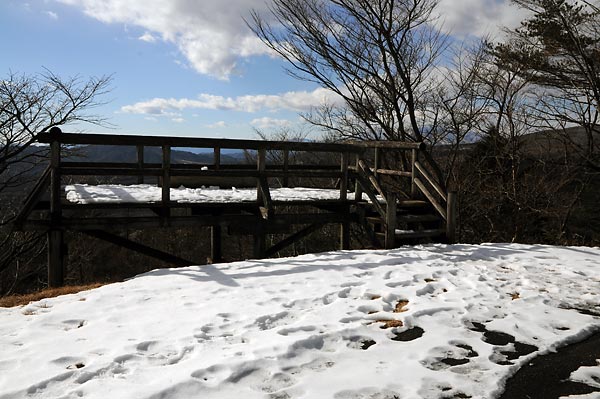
416 322
85 194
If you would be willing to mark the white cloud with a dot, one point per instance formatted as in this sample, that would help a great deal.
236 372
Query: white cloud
478 17
209 33
147 37
178 120
52 15
213 38
269 123
292 101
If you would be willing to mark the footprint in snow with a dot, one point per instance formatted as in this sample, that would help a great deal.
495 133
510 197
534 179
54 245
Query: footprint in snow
408 335
268 322
260 379
316 365
297 330
444 357
506 347
213 375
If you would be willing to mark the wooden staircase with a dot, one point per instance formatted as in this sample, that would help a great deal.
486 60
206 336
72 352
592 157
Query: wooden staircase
416 222
392 217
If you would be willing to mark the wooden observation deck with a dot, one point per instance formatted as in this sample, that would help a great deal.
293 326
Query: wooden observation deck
385 187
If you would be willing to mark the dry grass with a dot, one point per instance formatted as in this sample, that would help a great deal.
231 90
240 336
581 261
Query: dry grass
401 306
18 300
390 323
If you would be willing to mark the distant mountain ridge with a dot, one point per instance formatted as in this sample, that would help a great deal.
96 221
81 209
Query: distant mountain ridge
117 153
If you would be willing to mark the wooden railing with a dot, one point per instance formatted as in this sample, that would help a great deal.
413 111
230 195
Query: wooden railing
366 174
166 170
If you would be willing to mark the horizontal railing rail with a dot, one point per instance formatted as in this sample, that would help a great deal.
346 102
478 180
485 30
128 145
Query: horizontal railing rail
367 172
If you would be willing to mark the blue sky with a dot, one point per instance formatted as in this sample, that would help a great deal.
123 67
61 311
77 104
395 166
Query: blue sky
181 67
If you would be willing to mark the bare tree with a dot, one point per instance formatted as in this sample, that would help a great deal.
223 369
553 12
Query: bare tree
558 48
30 105
376 55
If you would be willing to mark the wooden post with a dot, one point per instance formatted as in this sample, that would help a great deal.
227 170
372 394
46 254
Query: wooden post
286 164
216 252
390 221
260 167
345 225
451 217
55 235
413 188
357 188
56 258
260 245
344 178
166 179
140 163
55 189
217 158
260 238
345 229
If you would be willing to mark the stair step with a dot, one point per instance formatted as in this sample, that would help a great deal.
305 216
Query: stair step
401 204
412 204
410 218
374 219
405 234
419 233
407 218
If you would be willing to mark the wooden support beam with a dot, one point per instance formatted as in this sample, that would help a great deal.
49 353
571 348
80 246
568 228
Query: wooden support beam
140 163
344 178
286 166
56 253
390 221
137 247
217 158
357 187
166 179
260 245
55 183
266 207
451 217
345 235
263 194
261 159
362 220
292 239
413 161
56 258
33 198
278 222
